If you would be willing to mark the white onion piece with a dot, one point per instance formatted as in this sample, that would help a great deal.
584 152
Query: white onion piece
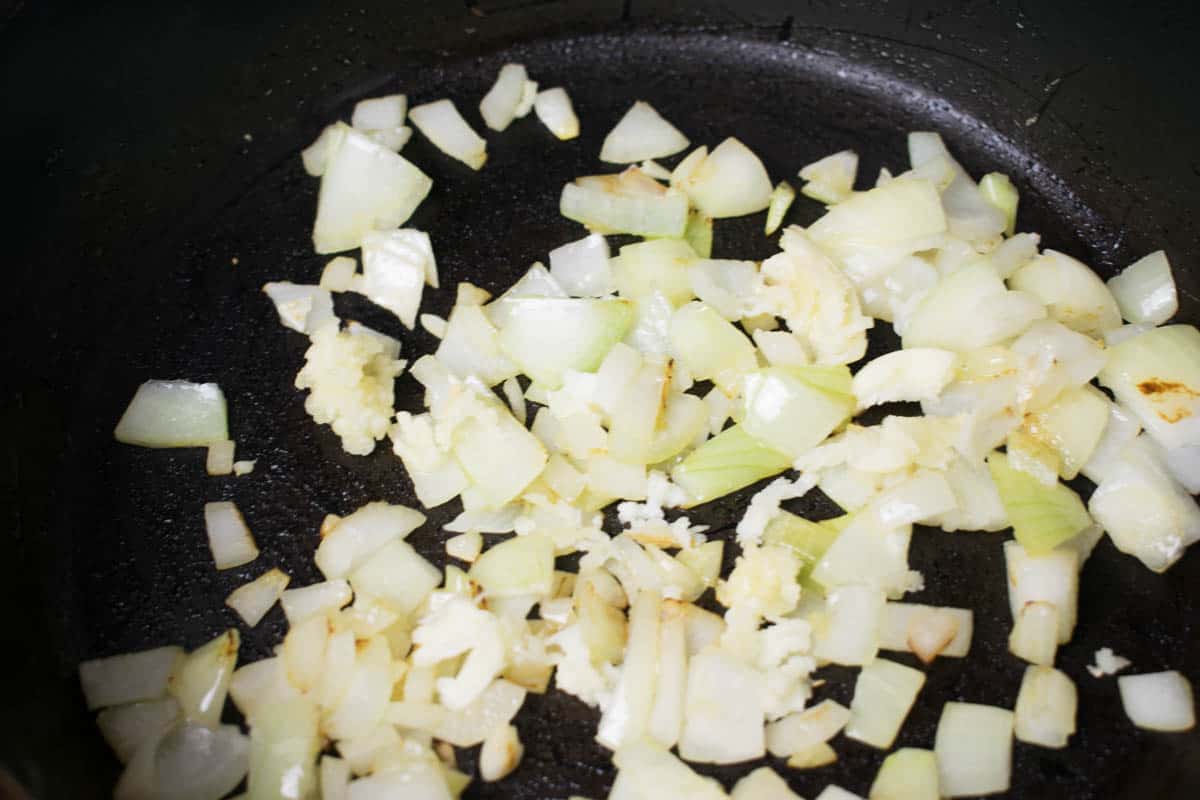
548 336
353 539
606 208
228 537
365 187
655 170
334 778
624 720
830 179
220 458
434 325
174 414
907 774
129 677
316 155
724 710
303 652
834 792
500 754
804 730
645 771
730 182
467 727
397 575
928 631
762 784
441 123
1184 464
253 600
416 779
499 106
582 268
553 107
195 762
319 598
260 684
1073 294
284 743
782 197
128 726
1157 377
1045 710
666 717
301 308
1158 701
393 139
911 375
1145 290
465 547
377 113
1052 577
867 552
883 695
395 267
851 634
709 346
339 274
368 689
973 745
970 309
969 214
470 347
1107 663
536 282
1034 635
523 565
485 521
724 285
201 682
641 134
1121 429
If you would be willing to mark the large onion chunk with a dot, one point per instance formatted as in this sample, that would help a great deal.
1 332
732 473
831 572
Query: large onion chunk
396 266
883 695
641 134
1158 701
174 414
1045 710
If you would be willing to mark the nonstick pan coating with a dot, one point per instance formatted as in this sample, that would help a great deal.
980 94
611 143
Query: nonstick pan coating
131 566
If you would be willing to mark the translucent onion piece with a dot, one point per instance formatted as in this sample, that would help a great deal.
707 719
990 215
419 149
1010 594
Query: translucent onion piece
1145 290
253 600
657 265
641 134
220 458
1045 710
500 754
129 677
1072 293
365 186
317 599
907 774
998 190
499 106
850 634
883 695
174 414
833 792
378 113
709 346
1052 577
1042 517
301 308
646 771
781 200
201 682
928 631
523 565
1158 701
625 718
471 348
724 710
973 745
582 268
802 731
441 123
762 784
830 179
284 743
553 107
195 762
1157 377
393 139
397 575
467 727
316 155
970 309
605 208
729 182
228 537
795 408
354 538
725 463
334 778
339 274
912 375
548 336
1034 635
127 727
396 266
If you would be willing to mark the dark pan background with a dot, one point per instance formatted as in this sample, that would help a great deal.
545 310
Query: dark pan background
145 150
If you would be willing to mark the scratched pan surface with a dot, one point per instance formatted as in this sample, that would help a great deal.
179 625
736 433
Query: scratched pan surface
129 564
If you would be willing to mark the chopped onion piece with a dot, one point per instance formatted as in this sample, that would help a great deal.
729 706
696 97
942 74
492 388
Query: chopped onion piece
1158 701
833 792
610 206
998 190
220 458
353 539
129 726
201 681
445 127
1107 663
500 754
850 635
883 695
284 744
724 710
1157 377
393 139
795 408
781 200
645 771
1042 517
396 574
582 267
1052 577
655 170
830 179
467 727
197 762
912 375
763 783
548 336
253 600
339 274
974 749
1145 290
499 106
907 774
1045 711
523 565
729 461
378 113
625 718
316 155
228 537
1034 635
1072 293
730 182
301 308
553 107
334 778
364 187
641 134
927 631
699 233
317 599
970 309
802 731
174 414
465 547
656 266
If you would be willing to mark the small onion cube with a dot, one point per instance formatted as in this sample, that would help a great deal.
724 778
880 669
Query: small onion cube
1045 711
465 546
319 598
499 106
443 125
229 538
1158 701
553 107
883 695
1145 290
641 134
174 414
500 754
220 458
129 677
378 113
582 267
974 749
199 762
763 783
201 682
253 600
127 727
806 729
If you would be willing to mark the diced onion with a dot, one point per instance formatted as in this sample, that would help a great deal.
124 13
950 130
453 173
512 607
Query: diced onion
1045 710
729 182
441 123
465 547
802 731
641 134
129 726
129 677
499 106
1051 577
1145 290
220 458
607 208
1042 517
500 754
198 762
228 537
1035 633
353 539
582 268
907 774
973 745
253 600
553 107
782 197
723 714
624 720
927 631
174 414
1158 701
762 784
998 190
830 179
1157 377
1072 293
317 599
883 695
850 636
912 375
201 682
378 113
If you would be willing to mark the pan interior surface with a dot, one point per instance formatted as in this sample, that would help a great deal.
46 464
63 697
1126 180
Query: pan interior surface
134 567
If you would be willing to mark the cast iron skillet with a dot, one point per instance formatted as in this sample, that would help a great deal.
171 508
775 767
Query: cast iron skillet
128 561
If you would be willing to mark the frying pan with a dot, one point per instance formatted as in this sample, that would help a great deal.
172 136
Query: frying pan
154 186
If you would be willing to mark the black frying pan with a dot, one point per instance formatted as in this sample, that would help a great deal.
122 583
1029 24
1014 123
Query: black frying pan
154 205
